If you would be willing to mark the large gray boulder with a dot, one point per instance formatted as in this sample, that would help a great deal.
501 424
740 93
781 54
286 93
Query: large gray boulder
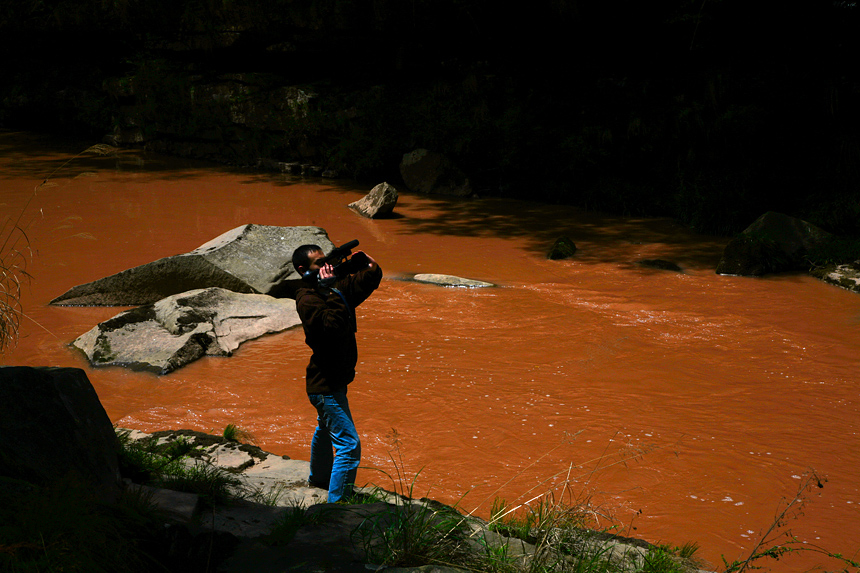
773 243
56 428
378 203
247 259
179 329
426 171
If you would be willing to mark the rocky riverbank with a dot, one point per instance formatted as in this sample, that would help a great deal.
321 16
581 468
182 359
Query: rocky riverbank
337 537
69 483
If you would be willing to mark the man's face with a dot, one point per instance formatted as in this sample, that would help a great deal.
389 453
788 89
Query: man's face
313 257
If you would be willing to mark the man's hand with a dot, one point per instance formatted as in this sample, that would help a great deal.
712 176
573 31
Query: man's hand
326 271
371 263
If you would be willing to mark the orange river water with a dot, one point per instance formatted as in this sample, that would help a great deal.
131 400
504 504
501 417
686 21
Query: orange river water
685 406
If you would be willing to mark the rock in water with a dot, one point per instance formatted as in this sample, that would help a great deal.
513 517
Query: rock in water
660 264
563 248
179 329
378 203
56 428
846 276
773 243
247 259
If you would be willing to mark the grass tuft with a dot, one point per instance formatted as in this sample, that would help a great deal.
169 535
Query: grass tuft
294 518
234 433
15 251
777 542
14 248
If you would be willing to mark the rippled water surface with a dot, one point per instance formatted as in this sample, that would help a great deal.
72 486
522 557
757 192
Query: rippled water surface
686 405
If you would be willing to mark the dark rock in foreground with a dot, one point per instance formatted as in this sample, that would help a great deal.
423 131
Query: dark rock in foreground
56 429
773 243
247 259
179 329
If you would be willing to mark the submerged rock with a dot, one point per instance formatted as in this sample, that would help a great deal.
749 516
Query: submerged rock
773 243
563 248
449 280
660 264
247 259
179 329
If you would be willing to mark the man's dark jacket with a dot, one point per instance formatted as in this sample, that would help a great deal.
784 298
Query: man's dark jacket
329 324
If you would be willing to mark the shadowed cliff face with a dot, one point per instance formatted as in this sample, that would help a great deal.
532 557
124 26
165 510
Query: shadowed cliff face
712 112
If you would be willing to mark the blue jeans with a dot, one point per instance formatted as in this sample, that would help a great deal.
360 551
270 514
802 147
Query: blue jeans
335 428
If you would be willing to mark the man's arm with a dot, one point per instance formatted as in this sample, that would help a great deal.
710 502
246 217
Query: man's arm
359 286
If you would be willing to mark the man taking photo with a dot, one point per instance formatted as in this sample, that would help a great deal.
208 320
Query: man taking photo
326 305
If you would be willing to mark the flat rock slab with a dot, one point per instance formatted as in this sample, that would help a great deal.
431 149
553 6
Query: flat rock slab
282 481
179 329
450 281
247 259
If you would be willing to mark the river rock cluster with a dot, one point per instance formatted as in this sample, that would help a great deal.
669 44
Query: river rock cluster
238 286
181 328
234 288
205 302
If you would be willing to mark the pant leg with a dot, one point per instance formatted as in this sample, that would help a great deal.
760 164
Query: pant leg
336 417
321 447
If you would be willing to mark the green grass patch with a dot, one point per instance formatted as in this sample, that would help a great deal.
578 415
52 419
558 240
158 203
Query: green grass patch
166 465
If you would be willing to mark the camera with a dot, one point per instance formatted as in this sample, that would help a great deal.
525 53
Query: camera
357 262
342 266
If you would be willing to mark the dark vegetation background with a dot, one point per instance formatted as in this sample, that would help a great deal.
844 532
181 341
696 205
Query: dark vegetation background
709 111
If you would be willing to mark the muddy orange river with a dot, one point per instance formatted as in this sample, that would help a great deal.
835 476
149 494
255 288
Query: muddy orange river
685 406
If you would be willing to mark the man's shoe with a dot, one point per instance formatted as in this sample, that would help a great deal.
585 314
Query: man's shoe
317 485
